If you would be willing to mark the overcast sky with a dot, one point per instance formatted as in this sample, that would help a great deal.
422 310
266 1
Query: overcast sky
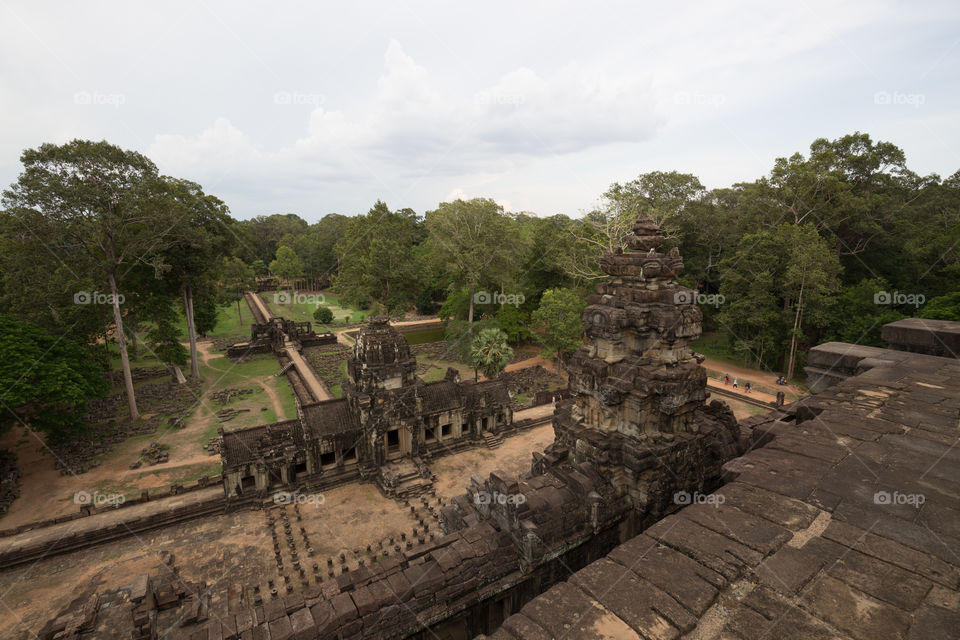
313 109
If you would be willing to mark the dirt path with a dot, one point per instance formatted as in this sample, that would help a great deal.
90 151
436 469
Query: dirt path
274 398
205 349
759 395
754 376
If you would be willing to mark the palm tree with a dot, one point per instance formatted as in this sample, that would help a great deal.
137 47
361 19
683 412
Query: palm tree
490 352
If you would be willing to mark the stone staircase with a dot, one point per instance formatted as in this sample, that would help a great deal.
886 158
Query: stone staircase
402 480
285 368
493 440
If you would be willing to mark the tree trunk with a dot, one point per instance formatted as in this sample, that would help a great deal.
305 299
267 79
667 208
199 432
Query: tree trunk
470 316
122 343
796 328
134 345
239 313
191 331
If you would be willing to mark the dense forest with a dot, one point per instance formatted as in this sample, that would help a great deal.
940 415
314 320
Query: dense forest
98 248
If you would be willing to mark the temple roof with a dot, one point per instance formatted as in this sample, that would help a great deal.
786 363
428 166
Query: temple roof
330 417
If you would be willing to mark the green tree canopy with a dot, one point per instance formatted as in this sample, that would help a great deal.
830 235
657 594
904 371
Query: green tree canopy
287 264
46 380
489 352
558 322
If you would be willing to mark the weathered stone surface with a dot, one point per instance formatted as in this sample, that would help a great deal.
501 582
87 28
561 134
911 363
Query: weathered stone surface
648 610
766 614
816 541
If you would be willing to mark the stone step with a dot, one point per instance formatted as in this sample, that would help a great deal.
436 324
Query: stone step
493 441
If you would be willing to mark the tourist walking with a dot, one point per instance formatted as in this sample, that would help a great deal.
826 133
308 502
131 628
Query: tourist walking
746 387
734 383
726 379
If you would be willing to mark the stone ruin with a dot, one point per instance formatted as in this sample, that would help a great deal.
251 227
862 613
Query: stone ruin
278 334
639 389
631 433
385 428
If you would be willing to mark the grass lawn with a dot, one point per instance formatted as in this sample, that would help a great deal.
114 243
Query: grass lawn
438 369
302 306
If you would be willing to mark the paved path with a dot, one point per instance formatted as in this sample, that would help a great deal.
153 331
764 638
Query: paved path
309 377
258 301
846 525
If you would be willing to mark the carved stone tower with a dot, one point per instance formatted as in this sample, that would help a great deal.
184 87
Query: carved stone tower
381 358
638 376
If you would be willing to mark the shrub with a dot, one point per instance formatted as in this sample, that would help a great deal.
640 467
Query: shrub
323 315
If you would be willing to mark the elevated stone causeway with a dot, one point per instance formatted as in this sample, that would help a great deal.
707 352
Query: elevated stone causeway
842 522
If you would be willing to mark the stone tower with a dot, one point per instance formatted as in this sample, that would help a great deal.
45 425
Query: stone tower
637 412
638 376
381 358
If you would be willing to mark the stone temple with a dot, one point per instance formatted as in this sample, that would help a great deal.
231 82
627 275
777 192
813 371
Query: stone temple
652 515
387 425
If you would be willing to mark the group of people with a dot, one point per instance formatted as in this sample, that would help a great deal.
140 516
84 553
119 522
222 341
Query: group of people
782 381
736 384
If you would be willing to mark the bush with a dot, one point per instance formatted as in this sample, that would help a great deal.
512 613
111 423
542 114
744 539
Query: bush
323 315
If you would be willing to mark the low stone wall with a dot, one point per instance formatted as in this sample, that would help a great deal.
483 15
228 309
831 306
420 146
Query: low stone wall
81 540
90 510
920 335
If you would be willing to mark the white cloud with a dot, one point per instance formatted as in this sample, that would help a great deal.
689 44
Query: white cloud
539 109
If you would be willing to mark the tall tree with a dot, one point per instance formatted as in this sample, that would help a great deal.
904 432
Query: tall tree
558 322
97 200
237 277
775 284
202 236
287 265
378 258
474 241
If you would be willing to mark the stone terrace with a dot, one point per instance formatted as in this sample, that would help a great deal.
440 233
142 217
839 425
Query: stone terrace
818 533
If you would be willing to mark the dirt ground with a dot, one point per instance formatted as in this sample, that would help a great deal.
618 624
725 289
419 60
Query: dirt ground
513 457
237 548
47 494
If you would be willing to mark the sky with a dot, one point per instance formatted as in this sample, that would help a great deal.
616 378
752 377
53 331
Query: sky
320 108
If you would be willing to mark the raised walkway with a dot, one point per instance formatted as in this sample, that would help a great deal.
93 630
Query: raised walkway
844 524
309 377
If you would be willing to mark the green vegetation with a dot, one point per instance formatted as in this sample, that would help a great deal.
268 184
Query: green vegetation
830 244
558 324
490 353
46 380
